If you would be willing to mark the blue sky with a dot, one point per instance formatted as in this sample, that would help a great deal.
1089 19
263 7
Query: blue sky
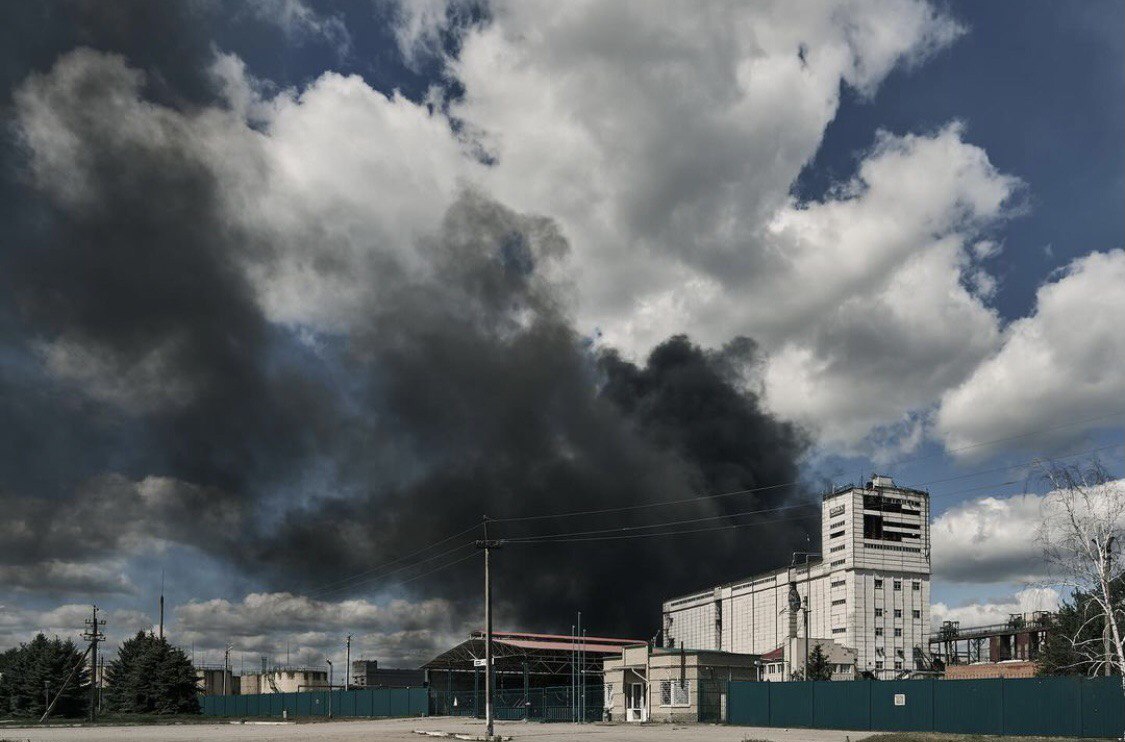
913 209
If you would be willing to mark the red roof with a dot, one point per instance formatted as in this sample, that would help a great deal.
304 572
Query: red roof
777 654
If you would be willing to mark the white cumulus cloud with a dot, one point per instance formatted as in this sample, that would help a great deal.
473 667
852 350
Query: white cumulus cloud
1061 364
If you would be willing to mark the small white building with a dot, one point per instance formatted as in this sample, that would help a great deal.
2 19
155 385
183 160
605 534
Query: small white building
680 685
868 590
787 662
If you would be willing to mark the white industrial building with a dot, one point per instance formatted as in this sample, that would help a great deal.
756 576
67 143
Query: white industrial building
868 591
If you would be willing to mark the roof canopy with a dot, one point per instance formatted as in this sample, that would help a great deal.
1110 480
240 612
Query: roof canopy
542 654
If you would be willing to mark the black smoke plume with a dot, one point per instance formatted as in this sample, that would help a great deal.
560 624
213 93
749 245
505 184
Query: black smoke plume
461 391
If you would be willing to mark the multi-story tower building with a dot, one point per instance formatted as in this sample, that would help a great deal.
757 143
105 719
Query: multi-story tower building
868 590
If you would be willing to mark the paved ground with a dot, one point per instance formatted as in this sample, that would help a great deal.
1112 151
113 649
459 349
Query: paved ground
401 730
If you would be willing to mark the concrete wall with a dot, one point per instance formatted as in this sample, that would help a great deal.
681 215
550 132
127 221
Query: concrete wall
210 682
990 670
285 681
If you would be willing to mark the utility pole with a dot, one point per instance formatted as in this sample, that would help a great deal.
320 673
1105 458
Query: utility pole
162 604
348 665
226 671
94 635
808 586
578 671
487 546
329 686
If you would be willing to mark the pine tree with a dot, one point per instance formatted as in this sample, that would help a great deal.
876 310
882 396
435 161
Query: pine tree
29 671
150 676
819 666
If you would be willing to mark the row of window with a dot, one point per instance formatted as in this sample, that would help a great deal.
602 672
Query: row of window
898 613
897 584
886 547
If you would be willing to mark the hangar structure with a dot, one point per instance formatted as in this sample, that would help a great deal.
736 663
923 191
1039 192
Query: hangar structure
523 660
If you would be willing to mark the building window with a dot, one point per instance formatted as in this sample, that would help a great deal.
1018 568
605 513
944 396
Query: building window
917 585
917 613
899 653
675 692
878 664
836 563
841 601
898 632
878 583
837 548
898 664
836 534
837 524
898 613
839 631
839 583
898 584
878 613
878 631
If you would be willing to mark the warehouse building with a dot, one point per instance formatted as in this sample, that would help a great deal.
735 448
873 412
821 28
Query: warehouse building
868 591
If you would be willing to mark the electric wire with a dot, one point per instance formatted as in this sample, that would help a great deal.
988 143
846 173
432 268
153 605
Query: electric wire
761 489
376 578
628 530
370 571
379 572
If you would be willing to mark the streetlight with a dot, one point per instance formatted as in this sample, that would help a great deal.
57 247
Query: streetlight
329 686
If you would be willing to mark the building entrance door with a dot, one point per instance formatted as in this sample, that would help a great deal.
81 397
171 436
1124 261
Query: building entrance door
635 703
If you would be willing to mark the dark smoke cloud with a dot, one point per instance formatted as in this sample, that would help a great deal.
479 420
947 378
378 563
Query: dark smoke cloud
461 391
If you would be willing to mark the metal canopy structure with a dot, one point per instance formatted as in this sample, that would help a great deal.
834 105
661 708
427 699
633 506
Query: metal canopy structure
548 657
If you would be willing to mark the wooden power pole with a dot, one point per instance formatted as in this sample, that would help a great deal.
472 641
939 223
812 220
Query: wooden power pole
94 635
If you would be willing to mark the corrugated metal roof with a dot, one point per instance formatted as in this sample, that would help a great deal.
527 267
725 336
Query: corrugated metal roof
563 646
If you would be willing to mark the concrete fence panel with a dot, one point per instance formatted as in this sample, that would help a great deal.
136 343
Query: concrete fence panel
368 702
1062 706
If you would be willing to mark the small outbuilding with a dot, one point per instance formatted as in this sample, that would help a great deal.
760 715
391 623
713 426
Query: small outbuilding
673 684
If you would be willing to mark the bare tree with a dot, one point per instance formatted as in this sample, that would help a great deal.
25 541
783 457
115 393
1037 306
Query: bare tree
1082 529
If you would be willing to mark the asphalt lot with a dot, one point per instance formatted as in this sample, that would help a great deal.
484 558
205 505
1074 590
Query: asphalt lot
402 730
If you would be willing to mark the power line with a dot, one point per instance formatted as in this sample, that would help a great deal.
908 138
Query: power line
727 527
621 529
359 575
627 531
376 578
378 572
439 569
994 441
752 490
662 503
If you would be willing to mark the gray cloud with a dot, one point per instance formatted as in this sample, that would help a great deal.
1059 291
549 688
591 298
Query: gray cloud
457 386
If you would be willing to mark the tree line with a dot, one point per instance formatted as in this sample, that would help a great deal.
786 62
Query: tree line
148 676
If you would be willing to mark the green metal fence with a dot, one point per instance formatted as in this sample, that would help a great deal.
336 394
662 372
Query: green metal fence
554 703
1064 706
370 702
